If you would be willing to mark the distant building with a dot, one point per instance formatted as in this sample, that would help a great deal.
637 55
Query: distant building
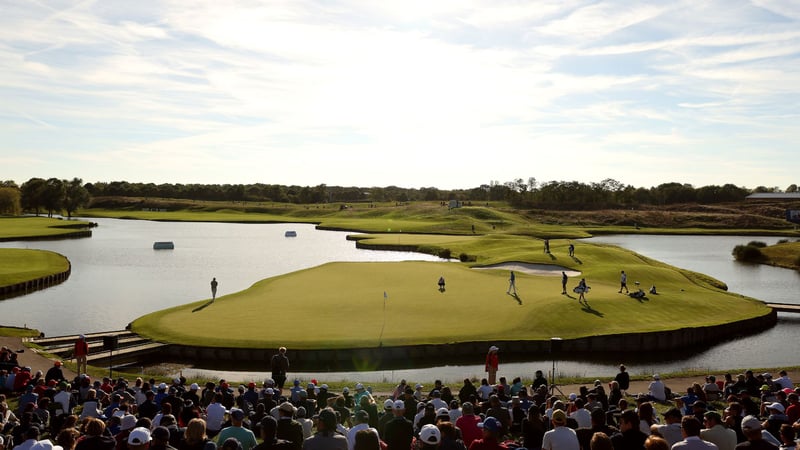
774 196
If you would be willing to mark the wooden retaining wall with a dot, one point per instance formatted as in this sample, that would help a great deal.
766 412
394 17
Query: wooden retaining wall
26 287
403 356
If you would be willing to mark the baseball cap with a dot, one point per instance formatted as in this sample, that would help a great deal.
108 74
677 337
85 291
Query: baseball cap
751 423
388 404
362 416
493 348
194 387
399 404
359 386
237 414
430 434
777 407
559 417
127 422
139 436
269 391
490 423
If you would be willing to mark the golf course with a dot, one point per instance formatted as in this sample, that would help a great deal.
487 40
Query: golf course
343 305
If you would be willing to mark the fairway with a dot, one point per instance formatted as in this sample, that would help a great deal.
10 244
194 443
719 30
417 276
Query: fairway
342 305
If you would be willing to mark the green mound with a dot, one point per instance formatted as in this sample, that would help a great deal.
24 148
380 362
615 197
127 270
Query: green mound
342 305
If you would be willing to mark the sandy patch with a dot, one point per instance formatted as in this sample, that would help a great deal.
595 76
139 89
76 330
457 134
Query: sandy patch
547 270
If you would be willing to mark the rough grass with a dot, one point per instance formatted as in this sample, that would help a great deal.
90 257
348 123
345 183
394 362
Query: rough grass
27 227
785 254
18 265
340 305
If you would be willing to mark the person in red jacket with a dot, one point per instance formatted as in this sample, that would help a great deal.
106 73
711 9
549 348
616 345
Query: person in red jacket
492 364
81 353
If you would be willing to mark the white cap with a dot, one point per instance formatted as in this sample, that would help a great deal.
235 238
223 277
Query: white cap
399 404
493 349
139 436
430 434
388 404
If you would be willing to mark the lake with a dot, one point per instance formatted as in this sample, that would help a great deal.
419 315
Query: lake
117 276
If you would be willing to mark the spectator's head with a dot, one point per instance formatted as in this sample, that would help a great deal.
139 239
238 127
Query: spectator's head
195 431
600 441
751 427
430 435
673 415
287 410
366 440
362 416
160 436
655 443
598 417
628 420
491 427
690 426
231 444
327 420
237 417
399 408
559 418
139 439
95 427
269 427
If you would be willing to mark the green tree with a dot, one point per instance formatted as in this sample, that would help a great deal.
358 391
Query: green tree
76 196
9 201
32 195
53 196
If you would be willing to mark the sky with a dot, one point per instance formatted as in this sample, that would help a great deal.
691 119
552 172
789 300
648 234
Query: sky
445 93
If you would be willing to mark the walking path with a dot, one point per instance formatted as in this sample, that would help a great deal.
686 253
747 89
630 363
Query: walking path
31 358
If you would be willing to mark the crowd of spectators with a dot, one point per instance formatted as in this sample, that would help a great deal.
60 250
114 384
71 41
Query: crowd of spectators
742 412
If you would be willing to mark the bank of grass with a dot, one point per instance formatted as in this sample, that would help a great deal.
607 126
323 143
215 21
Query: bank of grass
341 305
18 331
36 227
19 265
784 254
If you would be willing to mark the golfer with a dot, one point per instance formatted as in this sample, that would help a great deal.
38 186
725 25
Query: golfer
512 286
214 288
563 282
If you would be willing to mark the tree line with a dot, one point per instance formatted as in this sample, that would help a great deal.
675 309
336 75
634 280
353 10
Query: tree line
54 195
36 195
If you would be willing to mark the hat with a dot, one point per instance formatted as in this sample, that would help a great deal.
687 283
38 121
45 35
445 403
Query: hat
491 424
251 385
301 411
559 417
45 445
287 407
139 436
399 405
467 408
656 377
57 363
558 404
751 423
237 414
161 433
765 387
310 386
162 386
388 404
359 386
418 386
777 407
176 380
324 386
362 416
194 387
430 434
713 415
573 396
493 349
127 422
346 390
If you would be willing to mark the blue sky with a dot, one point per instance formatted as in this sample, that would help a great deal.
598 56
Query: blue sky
413 93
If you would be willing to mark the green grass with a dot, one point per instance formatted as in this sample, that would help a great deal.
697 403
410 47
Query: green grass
785 254
28 227
346 301
18 265
18 332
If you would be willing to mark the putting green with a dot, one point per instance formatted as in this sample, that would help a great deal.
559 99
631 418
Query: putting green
18 265
341 305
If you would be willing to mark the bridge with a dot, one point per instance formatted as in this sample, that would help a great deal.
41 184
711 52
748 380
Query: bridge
784 307
130 347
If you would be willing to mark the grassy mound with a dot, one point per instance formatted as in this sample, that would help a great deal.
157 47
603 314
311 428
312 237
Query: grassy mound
341 305
18 265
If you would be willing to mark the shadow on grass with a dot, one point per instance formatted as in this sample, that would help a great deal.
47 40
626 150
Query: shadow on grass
585 307
578 261
204 305
516 297
552 256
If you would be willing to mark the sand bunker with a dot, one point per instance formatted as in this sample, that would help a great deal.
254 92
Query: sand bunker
533 269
